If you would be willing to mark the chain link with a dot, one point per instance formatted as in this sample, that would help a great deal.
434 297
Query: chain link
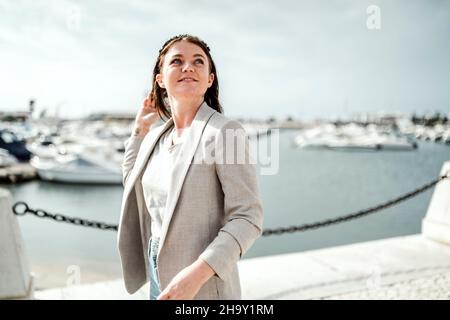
18 210
352 216
267 232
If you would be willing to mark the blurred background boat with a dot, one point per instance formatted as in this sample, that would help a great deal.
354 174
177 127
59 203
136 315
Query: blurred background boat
88 166
14 145
353 137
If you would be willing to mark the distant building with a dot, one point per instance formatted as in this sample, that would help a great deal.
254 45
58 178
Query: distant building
15 116
111 117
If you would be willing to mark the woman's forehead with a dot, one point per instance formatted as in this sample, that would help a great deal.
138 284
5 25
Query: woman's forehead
185 48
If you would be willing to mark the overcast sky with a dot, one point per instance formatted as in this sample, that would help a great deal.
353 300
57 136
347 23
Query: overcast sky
306 59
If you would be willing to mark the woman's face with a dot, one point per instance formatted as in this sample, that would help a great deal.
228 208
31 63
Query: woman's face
185 71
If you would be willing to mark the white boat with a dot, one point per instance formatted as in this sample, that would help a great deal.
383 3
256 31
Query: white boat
354 145
398 144
85 168
352 138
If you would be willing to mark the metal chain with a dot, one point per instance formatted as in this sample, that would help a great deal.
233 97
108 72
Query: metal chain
351 216
103 226
61 218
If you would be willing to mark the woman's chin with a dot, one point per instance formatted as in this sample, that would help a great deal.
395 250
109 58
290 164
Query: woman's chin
186 94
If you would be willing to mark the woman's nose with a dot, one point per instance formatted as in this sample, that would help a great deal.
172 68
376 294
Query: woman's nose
187 67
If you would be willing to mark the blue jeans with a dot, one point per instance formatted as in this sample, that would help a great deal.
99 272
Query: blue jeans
155 288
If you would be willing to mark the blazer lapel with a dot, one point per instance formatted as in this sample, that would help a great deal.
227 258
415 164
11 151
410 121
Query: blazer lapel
147 146
183 162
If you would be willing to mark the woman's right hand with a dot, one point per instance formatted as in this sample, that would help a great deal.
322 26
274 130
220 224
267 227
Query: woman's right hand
146 116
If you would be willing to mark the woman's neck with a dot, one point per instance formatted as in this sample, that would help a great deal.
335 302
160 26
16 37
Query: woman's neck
184 111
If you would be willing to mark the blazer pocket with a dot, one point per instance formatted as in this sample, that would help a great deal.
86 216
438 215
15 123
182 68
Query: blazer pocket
217 284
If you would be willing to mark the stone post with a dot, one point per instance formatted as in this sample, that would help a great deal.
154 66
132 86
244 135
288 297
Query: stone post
436 224
16 281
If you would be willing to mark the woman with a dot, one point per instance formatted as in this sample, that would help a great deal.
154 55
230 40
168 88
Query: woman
186 220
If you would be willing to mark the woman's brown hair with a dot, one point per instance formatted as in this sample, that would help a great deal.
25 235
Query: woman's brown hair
158 94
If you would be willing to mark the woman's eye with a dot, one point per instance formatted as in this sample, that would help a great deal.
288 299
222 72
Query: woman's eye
177 61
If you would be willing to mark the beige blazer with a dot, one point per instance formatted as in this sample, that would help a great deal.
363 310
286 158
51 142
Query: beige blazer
213 210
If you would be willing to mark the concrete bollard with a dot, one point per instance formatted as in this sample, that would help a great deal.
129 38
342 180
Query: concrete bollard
436 224
16 281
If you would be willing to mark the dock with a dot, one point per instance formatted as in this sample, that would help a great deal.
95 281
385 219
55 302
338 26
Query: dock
18 172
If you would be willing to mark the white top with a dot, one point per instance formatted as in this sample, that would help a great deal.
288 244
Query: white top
157 177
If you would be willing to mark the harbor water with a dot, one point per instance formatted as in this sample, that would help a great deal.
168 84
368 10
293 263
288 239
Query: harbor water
311 185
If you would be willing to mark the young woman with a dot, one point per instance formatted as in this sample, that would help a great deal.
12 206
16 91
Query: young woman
190 210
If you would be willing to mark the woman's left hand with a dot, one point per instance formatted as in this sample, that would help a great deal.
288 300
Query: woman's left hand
186 284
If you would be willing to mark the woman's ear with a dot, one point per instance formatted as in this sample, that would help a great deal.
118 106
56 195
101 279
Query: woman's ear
159 80
211 79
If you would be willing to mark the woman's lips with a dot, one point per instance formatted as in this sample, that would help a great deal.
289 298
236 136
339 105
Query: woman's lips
187 80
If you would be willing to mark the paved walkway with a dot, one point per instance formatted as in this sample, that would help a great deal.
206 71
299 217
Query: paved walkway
411 267
340 270
435 287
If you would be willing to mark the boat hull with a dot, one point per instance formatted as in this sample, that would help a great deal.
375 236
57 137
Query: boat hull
80 177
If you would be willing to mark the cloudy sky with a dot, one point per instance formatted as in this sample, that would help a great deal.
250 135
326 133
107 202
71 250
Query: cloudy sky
306 59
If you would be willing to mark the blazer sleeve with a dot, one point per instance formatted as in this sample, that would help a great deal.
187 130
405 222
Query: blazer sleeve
242 203
132 145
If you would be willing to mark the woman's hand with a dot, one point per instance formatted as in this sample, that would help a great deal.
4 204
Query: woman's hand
146 116
186 284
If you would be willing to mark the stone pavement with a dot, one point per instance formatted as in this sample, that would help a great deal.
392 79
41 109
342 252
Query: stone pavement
358 268
435 287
